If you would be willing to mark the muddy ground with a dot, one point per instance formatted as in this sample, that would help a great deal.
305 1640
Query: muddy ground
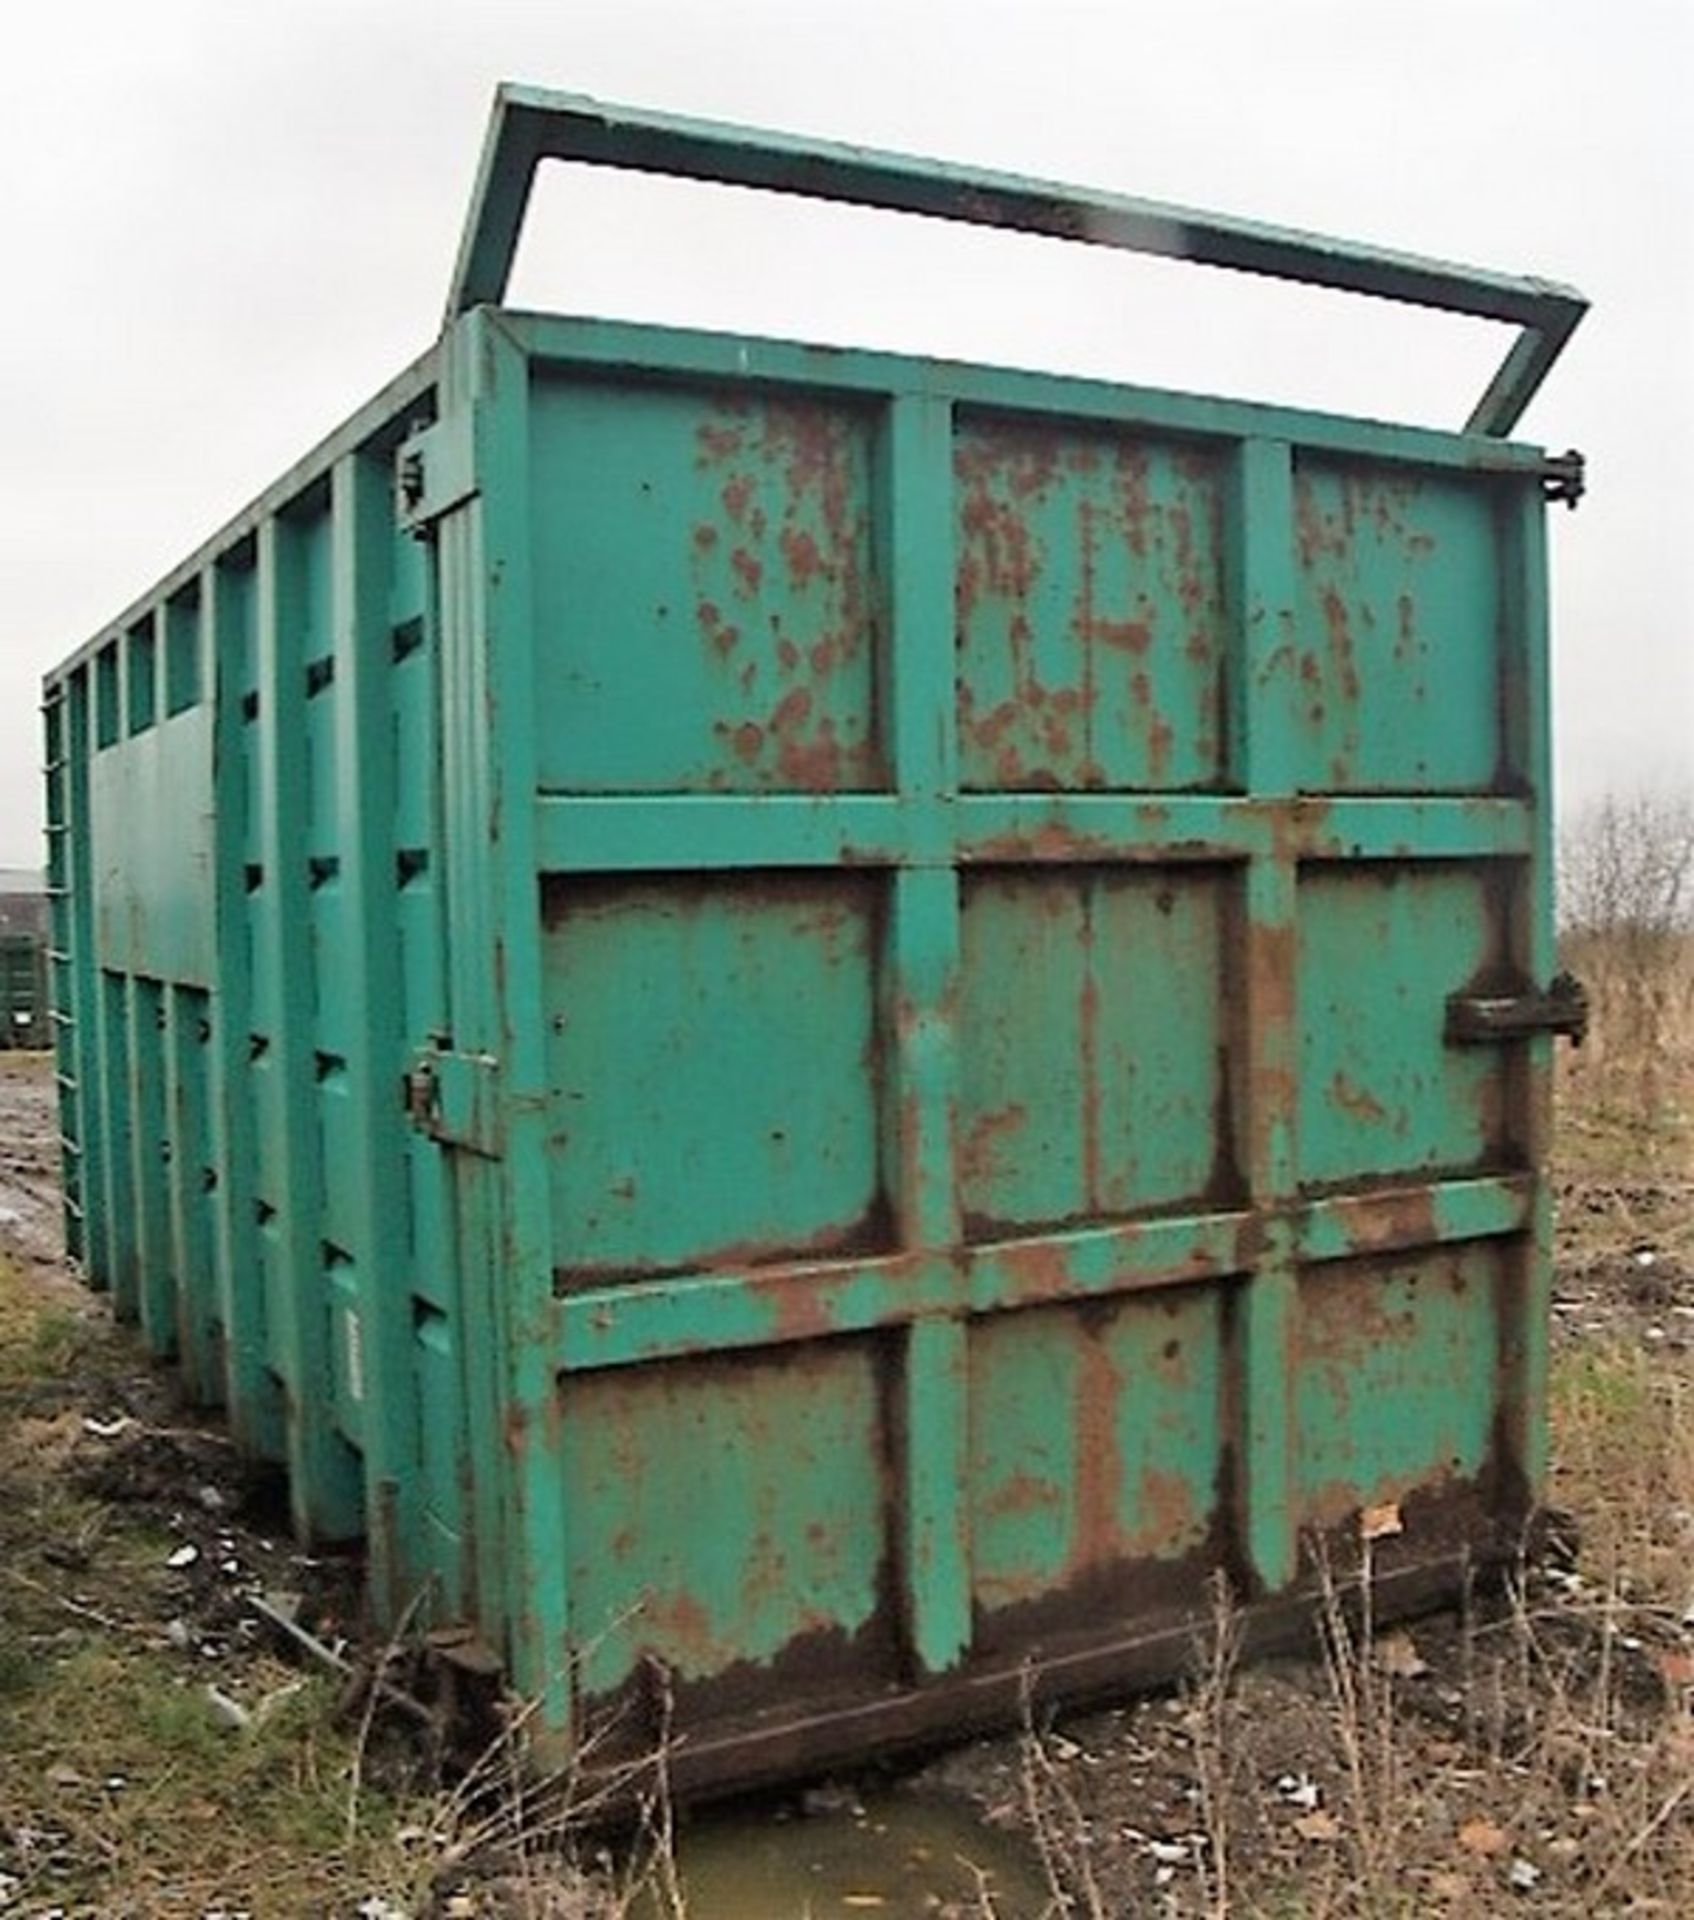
167 1747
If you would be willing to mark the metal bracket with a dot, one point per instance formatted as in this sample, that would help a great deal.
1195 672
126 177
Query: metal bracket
434 472
1564 477
530 125
454 1098
1481 1019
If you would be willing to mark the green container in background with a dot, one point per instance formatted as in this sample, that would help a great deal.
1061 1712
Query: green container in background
23 990
811 1028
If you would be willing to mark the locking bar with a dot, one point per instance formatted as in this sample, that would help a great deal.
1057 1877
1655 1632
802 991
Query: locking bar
1482 1019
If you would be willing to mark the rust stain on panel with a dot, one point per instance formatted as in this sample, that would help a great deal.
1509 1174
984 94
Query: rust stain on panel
1099 1461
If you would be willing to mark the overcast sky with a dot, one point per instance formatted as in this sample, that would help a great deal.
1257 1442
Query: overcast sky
225 225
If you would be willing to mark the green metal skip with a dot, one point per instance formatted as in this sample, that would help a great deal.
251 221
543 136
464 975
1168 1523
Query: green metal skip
813 1028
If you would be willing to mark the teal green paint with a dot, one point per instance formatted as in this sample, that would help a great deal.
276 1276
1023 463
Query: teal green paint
670 1005
919 1108
1529 747
141 676
620 834
1090 1039
502 686
365 1151
438 1373
151 831
918 1112
1484 1209
935 1475
120 1254
199 1334
1401 828
713 1520
1264 756
1268 1424
714 358
324 1472
1095 1441
617 1325
324 822
629 834
1396 601
913 519
495 1573
344 1296
106 714
1143 1256
1091 610
1023 1457
229 610
1397 1378
337 1121
708 605
1268 1126
1380 951
183 653
1022 828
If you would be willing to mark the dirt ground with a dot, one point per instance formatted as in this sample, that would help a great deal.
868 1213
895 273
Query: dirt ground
166 1747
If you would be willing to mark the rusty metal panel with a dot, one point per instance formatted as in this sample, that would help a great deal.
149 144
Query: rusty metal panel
1399 1380
1092 610
1098 1437
735 1514
1092 1034
1079 1070
1380 1096
715 1082
1397 604
746 658
815 1029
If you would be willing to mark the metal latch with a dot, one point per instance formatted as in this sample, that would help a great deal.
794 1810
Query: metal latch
454 1098
1476 1019
1564 476
434 472
421 1091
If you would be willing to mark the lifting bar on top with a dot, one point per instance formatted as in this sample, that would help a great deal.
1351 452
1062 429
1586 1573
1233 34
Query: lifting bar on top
531 124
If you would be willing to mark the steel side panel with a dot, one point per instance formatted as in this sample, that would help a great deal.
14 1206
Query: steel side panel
235 849
151 828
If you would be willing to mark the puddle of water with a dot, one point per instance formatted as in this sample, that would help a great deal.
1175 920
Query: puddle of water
897 1856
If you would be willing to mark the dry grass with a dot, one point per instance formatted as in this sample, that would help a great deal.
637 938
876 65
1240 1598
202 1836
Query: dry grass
140 1777
120 1789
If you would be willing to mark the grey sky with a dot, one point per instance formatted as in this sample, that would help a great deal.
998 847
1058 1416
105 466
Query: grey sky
225 226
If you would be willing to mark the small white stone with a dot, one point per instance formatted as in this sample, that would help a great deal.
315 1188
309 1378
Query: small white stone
1524 1876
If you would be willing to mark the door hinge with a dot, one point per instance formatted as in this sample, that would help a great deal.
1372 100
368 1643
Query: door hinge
434 472
1564 476
1475 1019
455 1098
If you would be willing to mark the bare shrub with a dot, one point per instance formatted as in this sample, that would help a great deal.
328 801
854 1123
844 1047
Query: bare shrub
1626 917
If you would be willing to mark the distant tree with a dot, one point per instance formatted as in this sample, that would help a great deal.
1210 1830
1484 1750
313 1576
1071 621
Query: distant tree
1626 866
